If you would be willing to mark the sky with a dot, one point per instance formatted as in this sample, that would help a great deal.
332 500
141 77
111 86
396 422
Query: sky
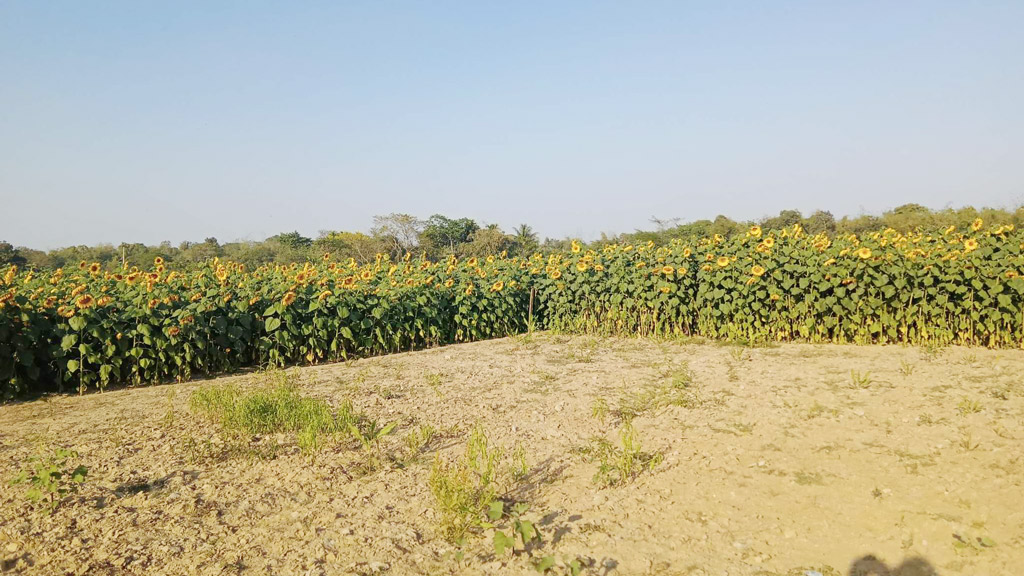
152 121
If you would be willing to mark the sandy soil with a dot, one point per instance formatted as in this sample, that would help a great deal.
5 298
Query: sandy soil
778 463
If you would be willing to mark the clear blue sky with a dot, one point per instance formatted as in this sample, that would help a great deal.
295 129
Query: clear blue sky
144 121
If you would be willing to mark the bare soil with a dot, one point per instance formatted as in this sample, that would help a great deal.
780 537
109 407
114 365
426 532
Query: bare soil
781 462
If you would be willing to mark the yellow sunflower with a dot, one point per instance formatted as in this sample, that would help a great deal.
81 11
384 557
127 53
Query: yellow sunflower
977 224
85 301
970 245
755 231
757 270
498 286
722 261
288 298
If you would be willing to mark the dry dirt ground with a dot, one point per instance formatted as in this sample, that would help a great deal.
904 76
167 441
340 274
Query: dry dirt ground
779 461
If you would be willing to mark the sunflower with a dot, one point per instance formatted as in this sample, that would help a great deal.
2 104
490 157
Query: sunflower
85 301
154 303
83 265
498 286
366 274
576 247
327 256
556 274
323 295
471 262
469 290
757 270
775 297
970 245
977 224
667 270
755 231
665 289
722 261
449 283
769 241
288 298
864 253
94 268
173 331
158 261
581 266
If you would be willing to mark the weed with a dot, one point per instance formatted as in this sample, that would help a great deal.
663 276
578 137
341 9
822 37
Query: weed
968 406
679 391
860 380
967 442
599 410
50 478
272 409
907 368
526 530
369 433
738 354
168 418
519 466
820 410
617 466
434 381
418 439
465 488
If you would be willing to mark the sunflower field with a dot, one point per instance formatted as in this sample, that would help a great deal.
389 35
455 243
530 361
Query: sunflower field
90 328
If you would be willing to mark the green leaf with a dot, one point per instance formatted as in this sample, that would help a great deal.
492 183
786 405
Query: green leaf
73 366
544 564
272 323
77 323
496 510
502 542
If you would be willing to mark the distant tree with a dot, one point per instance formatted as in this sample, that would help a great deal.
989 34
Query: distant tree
399 233
444 235
785 219
9 255
525 240
292 240
345 245
820 221
488 241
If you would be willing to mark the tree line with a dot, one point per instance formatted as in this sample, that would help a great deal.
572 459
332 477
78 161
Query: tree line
439 236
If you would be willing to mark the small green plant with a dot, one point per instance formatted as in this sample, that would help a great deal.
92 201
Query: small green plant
274 408
967 442
463 489
677 391
369 433
968 406
860 379
50 478
520 468
617 466
907 368
419 438
168 418
599 410
434 381
738 353
525 530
